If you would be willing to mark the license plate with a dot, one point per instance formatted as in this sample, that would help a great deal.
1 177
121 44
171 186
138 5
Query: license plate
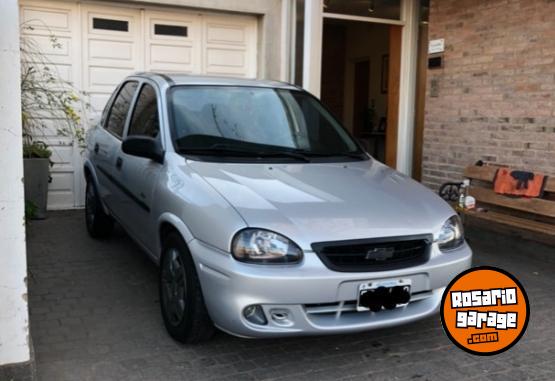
389 294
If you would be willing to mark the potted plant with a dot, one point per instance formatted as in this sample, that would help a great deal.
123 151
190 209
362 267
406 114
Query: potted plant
36 169
44 96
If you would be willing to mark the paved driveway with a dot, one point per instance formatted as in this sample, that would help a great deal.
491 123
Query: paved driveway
95 316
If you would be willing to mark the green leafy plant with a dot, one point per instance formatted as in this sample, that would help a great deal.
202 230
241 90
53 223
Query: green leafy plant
36 150
30 210
45 96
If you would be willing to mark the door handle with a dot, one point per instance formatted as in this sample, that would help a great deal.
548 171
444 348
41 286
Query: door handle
119 162
96 148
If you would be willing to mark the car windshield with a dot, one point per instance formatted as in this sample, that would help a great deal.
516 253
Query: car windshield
256 121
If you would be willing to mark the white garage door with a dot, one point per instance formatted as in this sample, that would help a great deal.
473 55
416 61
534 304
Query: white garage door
97 46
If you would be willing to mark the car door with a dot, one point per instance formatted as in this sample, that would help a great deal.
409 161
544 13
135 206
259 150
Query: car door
107 148
141 174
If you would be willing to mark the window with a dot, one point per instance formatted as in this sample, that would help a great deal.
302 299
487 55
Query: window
170 30
110 24
118 112
259 118
145 116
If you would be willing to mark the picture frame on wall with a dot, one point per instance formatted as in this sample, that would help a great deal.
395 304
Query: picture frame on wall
385 74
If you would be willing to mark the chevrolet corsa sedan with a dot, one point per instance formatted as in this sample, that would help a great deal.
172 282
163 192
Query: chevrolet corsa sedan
265 216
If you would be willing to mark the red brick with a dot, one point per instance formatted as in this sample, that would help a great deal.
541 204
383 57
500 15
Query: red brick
496 88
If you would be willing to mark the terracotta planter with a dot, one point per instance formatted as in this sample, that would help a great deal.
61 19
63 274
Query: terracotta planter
37 177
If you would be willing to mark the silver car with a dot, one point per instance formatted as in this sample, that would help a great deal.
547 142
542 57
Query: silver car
265 216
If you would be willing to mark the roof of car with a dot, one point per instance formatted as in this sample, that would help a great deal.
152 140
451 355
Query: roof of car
188 79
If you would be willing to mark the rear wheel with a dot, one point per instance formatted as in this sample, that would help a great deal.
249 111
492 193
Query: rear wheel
181 300
99 224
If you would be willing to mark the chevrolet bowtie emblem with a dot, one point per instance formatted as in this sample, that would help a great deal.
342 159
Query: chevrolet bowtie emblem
380 253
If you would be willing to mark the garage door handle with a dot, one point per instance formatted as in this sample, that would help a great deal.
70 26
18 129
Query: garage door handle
96 148
119 162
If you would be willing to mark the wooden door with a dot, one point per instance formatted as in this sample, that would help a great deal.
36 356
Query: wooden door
420 102
395 33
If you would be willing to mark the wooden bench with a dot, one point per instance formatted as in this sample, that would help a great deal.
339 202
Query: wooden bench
532 218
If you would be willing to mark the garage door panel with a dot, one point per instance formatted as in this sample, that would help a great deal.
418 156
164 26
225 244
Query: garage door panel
172 41
56 51
55 20
51 131
61 190
58 200
230 46
171 54
112 50
62 154
113 22
97 101
107 78
227 34
225 61
179 27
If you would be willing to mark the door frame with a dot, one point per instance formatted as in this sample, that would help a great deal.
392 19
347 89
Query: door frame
408 24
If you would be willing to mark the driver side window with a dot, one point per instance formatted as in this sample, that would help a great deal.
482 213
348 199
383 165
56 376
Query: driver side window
145 120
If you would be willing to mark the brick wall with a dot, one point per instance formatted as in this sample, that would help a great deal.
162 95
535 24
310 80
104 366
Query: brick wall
494 99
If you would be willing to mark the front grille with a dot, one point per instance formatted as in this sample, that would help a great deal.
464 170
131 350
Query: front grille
377 254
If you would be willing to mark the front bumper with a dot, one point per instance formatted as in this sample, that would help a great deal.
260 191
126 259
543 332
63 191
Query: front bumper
314 299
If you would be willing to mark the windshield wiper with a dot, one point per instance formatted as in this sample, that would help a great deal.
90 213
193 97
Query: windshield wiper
219 149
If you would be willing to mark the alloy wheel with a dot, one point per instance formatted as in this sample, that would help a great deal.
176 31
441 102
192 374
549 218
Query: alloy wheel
90 205
174 287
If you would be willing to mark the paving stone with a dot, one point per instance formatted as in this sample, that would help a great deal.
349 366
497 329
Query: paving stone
95 315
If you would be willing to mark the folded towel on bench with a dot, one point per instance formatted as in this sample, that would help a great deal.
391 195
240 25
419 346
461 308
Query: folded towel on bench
519 183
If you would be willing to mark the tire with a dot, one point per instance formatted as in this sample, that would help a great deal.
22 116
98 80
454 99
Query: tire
181 300
99 224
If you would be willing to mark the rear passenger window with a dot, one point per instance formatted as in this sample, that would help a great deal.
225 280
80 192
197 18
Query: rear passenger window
120 108
145 116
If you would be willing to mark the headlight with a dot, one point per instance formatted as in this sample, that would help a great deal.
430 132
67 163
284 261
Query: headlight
264 246
451 234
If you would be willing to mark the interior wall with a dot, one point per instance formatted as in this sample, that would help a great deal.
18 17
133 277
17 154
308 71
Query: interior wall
365 41
333 69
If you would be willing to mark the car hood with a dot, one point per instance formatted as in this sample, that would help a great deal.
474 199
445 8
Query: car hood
318 202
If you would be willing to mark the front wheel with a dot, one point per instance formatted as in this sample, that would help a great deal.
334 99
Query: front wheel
181 300
99 224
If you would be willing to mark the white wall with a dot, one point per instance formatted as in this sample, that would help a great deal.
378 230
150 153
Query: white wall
14 328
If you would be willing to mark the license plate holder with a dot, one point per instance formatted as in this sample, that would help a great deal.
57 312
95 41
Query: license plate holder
388 294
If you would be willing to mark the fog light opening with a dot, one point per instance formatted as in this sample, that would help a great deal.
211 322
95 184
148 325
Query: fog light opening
281 317
255 315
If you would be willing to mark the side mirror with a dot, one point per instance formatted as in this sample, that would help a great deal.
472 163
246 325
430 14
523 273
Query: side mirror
143 146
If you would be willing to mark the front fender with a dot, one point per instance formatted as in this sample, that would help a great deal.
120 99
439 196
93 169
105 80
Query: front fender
177 224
